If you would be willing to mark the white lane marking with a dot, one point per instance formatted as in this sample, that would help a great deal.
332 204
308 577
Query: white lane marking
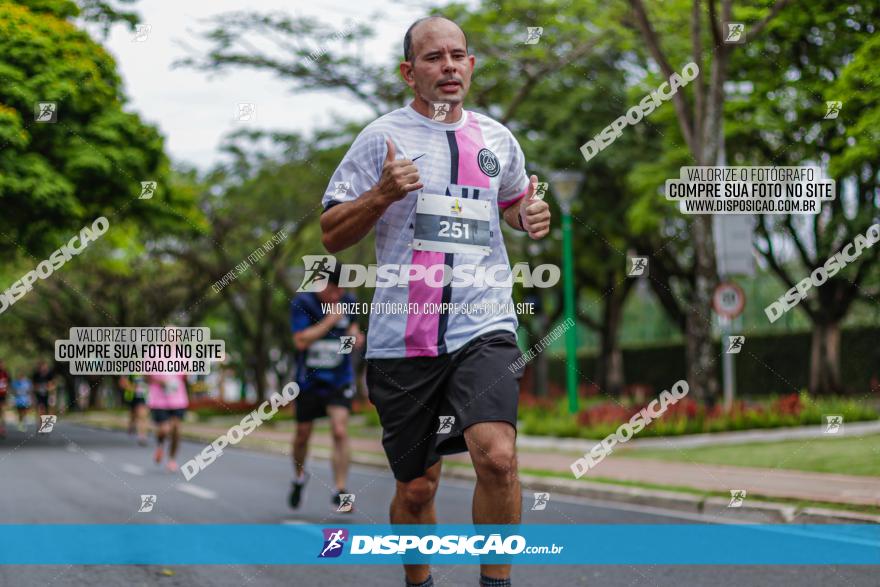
132 469
196 491
95 456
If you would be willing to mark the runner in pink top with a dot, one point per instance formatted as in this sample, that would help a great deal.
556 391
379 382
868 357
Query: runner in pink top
167 401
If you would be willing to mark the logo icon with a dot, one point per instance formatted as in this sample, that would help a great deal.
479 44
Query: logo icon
47 423
247 112
341 188
735 32
639 265
334 540
147 503
833 109
346 502
488 162
541 500
46 112
456 206
737 497
446 423
541 189
735 344
148 189
441 109
833 424
534 35
141 32
346 344
318 269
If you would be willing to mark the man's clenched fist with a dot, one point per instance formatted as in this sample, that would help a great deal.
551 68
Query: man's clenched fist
399 176
534 213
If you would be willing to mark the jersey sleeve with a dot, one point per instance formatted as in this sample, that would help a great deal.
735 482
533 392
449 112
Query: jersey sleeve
300 319
515 181
358 171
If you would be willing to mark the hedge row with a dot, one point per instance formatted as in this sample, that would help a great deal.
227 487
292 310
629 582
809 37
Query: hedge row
767 364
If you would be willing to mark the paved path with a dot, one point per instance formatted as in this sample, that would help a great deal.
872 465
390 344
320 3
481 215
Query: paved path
695 440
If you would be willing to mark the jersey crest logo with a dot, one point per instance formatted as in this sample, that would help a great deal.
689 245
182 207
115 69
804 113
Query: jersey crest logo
488 162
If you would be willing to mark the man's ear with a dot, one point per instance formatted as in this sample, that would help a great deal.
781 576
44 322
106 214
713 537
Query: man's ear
406 71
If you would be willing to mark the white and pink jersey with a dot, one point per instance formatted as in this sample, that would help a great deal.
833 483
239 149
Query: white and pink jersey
474 158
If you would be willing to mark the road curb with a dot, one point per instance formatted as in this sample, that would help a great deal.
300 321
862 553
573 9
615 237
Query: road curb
757 511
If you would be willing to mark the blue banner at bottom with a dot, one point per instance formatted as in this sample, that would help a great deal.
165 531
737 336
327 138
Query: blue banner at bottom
617 544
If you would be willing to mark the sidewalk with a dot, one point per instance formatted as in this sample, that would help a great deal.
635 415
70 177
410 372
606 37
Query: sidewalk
583 445
796 485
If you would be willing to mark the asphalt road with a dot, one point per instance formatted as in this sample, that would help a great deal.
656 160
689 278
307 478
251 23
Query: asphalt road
77 475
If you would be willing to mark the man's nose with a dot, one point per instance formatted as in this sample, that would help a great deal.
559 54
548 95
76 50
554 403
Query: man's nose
448 64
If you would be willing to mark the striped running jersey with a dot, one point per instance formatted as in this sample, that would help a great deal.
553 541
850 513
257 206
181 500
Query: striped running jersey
473 158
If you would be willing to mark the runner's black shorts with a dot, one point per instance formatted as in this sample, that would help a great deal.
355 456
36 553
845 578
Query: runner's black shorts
42 400
160 415
312 403
414 395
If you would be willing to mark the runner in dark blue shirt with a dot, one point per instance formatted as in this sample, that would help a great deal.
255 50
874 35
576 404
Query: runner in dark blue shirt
324 341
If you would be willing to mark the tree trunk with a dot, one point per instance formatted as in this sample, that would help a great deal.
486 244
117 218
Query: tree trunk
700 353
609 366
825 358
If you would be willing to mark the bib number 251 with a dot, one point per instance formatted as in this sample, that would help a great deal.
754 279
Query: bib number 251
454 229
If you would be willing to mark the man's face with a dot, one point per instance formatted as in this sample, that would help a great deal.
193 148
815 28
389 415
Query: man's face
331 294
441 68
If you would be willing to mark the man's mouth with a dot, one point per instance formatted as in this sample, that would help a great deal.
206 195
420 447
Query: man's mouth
450 86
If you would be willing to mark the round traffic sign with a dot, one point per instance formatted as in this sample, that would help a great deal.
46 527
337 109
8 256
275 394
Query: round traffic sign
729 300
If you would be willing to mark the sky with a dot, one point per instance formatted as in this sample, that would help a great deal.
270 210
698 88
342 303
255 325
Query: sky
194 109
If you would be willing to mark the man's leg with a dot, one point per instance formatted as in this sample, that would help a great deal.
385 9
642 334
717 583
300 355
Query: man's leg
413 503
301 447
161 433
341 450
497 498
174 430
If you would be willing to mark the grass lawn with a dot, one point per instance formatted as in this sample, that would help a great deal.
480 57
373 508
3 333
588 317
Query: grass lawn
847 455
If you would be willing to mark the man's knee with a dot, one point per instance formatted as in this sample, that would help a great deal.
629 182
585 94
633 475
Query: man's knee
496 462
339 432
416 494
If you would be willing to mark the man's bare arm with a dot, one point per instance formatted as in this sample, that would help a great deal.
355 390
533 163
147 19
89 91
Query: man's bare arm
346 224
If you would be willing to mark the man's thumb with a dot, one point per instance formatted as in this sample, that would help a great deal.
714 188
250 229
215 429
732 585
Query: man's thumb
533 188
391 154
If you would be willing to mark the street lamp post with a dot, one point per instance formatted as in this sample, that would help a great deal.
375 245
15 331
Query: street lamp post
565 185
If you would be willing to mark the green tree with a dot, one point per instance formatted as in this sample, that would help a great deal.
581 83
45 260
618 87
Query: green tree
826 52
57 177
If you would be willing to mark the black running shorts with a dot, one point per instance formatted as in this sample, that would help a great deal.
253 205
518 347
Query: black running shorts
312 403
415 398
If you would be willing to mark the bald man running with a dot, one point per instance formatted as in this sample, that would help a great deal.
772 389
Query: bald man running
431 178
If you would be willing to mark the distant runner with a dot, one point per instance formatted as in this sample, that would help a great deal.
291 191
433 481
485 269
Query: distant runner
135 390
325 377
43 380
4 388
167 401
21 390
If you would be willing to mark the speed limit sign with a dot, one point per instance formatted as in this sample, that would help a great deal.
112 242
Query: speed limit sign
729 300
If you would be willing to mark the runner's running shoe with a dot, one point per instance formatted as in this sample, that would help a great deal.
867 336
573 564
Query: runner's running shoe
296 490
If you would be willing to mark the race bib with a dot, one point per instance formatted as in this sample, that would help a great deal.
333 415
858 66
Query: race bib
448 224
169 387
324 354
